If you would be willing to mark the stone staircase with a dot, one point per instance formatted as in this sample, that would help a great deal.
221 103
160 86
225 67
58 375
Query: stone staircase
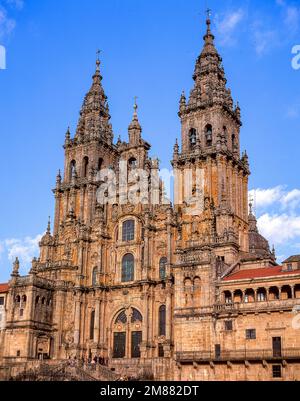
65 371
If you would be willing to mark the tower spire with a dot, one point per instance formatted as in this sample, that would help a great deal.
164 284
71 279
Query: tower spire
94 122
135 128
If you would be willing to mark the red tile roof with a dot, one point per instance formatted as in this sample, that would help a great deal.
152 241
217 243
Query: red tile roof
3 288
260 273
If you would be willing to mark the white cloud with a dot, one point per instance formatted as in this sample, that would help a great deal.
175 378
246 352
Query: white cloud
264 39
25 249
293 111
7 25
292 19
277 196
266 197
279 215
227 24
291 199
18 4
291 16
279 228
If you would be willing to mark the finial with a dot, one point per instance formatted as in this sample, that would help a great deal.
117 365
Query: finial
208 21
98 62
135 105
208 13
209 37
49 225
68 134
250 207
58 179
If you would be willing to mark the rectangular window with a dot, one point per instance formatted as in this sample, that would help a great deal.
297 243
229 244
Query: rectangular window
128 231
18 353
228 325
277 347
277 371
251 334
21 312
218 351
119 345
136 339
161 352
1 301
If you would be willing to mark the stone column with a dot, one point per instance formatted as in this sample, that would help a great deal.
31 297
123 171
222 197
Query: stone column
89 204
103 320
77 321
66 203
209 177
57 212
169 245
168 344
144 345
97 321
168 314
82 204
57 320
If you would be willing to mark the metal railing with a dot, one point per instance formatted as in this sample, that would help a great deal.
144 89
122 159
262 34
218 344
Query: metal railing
238 355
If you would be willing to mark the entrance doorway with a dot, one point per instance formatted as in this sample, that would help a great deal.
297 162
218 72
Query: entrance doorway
127 334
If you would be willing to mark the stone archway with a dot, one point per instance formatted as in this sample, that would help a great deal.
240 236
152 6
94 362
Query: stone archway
127 334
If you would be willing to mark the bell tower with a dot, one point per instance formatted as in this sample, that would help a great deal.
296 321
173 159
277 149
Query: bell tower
210 142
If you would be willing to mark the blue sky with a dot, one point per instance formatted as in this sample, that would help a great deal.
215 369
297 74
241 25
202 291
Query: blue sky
148 50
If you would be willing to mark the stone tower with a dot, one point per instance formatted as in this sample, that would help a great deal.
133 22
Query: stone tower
210 150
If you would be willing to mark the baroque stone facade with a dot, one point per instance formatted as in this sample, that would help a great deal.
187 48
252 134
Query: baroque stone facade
186 293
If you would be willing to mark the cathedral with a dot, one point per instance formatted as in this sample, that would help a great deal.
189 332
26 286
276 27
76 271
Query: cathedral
176 291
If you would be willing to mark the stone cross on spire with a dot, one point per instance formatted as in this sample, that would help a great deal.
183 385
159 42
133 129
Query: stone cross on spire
135 105
98 62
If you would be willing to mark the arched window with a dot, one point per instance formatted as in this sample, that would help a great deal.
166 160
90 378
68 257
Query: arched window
193 137
85 165
162 321
208 135
162 268
128 268
273 293
24 299
122 318
43 300
92 325
72 169
227 297
18 299
132 163
128 230
136 316
94 276
37 299
261 295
